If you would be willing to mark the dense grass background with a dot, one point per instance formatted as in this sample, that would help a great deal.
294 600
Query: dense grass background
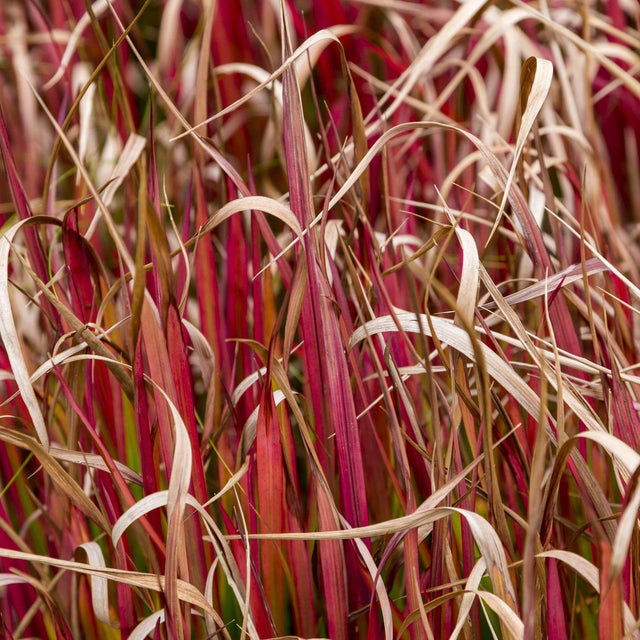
320 319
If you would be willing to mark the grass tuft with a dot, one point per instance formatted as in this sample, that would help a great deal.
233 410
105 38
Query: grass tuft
319 321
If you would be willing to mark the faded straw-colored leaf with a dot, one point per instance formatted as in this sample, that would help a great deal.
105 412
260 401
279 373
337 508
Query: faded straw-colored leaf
11 341
459 339
147 626
537 74
99 584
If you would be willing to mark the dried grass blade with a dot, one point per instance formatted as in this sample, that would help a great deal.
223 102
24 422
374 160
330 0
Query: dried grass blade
93 461
154 582
64 482
485 537
459 339
469 279
537 74
626 526
472 584
83 172
324 37
562 278
97 9
176 500
430 53
99 591
380 590
130 154
147 626
7 579
254 203
11 341
90 460
136 511
117 368
626 459
506 615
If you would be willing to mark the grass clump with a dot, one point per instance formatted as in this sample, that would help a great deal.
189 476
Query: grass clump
319 320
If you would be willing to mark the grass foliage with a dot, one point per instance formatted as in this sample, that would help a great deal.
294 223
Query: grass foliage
319 319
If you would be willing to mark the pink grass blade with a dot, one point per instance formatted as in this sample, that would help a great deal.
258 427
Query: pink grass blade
270 493
143 427
555 611
297 503
207 286
81 266
327 368
626 424
334 585
610 615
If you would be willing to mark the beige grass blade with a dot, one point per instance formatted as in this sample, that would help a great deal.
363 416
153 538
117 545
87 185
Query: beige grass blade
151 581
486 538
127 158
626 526
7 579
469 277
436 46
139 509
68 355
506 614
473 582
160 498
628 461
212 623
383 596
259 203
324 37
458 339
146 626
176 498
585 45
99 584
423 127
81 74
97 8
64 483
468 291
92 461
262 77
227 561
181 464
535 85
570 395
560 279
11 341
